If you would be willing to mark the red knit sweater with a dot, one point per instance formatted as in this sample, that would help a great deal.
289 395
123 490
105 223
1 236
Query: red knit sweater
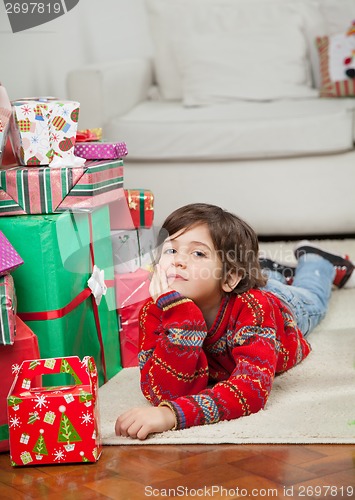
219 374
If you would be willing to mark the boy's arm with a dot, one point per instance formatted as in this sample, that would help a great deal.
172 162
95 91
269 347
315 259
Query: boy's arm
244 392
171 358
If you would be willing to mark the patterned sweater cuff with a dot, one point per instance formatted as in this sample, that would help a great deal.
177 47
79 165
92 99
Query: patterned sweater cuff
171 299
171 405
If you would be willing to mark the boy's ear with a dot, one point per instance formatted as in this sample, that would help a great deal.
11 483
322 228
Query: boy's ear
231 281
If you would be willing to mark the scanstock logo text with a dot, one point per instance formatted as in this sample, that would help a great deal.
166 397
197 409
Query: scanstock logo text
26 14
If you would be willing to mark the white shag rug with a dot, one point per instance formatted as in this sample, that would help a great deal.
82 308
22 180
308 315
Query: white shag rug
312 403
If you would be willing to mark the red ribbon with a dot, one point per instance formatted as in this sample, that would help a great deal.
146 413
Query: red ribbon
81 297
94 306
59 313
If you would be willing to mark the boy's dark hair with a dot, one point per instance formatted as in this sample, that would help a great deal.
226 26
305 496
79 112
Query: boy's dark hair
234 240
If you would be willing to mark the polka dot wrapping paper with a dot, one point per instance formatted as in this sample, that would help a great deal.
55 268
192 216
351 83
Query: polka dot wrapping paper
9 258
100 150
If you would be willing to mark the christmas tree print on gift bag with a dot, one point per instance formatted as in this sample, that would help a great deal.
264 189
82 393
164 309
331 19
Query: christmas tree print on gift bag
40 447
51 425
67 432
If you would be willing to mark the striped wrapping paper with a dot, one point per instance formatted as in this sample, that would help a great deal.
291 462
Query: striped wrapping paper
7 310
45 190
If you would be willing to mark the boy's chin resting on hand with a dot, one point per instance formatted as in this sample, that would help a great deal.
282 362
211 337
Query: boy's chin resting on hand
140 422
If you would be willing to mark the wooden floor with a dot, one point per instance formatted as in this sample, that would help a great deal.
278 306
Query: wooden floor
191 471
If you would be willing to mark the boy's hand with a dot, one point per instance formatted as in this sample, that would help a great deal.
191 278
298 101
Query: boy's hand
139 422
159 282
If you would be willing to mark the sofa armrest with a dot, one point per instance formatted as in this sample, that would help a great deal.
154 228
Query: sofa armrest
109 89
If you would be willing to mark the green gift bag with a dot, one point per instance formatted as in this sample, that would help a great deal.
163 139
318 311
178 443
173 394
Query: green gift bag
53 298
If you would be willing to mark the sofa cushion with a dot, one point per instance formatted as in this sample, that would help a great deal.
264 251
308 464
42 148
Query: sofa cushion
244 66
284 23
165 130
337 57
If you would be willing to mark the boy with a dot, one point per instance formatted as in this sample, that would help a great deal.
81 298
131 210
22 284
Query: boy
216 331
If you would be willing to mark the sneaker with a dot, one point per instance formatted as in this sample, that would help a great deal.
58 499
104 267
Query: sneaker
343 265
287 272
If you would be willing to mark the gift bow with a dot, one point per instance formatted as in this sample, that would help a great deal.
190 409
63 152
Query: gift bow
97 284
94 134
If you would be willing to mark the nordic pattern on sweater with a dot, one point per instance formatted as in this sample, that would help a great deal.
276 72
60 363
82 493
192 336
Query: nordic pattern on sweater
225 372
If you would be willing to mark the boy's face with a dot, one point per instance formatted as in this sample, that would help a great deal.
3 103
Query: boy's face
192 265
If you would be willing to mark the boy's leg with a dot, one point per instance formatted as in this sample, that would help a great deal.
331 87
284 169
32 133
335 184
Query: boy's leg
309 294
275 270
344 275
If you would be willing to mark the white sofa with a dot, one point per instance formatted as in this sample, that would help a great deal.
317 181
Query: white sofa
227 111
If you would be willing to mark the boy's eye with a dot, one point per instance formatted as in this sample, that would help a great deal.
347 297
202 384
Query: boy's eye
169 251
198 253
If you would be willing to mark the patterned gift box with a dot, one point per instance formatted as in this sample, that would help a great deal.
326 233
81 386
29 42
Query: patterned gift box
7 310
53 297
45 190
101 150
57 424
11 357
141 205
9 258
43 131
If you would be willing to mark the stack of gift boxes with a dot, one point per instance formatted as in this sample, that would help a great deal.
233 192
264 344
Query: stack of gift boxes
61 204
133 241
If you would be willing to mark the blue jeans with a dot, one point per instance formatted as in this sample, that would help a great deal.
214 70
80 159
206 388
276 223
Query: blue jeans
309 294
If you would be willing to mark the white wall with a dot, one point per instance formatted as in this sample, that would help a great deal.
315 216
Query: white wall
36 61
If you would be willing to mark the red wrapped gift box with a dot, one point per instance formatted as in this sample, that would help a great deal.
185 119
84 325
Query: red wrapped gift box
129 335
136 210
141 205
132 290
11 357
52 425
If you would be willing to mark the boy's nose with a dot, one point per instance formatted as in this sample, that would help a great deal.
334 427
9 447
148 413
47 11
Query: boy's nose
179 261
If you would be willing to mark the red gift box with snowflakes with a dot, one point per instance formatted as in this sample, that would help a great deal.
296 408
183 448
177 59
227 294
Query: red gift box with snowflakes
52 425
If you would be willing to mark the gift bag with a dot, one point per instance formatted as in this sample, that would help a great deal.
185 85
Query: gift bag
52 425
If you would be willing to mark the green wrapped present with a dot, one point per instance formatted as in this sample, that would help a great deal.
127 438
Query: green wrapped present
53 297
